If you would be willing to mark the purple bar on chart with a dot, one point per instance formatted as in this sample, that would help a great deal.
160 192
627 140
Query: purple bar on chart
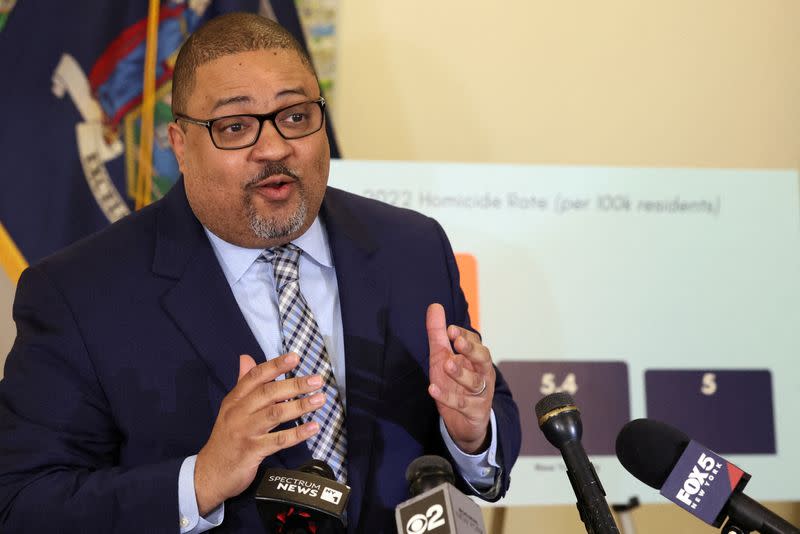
729 411
600 390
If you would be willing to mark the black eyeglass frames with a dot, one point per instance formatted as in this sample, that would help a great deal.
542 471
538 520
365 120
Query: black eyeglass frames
233 132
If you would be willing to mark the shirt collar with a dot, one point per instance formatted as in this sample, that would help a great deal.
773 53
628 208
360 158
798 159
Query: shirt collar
235 260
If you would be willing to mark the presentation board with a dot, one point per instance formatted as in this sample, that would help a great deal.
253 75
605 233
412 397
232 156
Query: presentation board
665 293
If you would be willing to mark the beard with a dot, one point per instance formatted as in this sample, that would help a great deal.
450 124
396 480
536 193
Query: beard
272 227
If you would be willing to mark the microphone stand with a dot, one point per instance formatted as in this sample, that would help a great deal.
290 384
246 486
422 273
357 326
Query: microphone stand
594 512
581 506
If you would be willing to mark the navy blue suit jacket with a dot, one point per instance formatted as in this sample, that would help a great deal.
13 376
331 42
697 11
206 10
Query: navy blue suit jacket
128 341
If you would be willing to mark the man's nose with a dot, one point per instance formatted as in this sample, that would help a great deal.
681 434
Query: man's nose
270 144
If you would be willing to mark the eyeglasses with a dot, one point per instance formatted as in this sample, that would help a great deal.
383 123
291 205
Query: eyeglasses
233 132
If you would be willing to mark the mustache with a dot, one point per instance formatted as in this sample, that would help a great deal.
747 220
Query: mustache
272 169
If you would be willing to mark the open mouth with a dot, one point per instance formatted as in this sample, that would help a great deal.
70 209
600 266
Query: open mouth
277 184
275 187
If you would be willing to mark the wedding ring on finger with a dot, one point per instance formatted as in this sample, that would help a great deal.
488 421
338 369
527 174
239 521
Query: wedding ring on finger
480 392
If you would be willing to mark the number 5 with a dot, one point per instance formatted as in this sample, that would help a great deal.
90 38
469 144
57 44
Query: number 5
709 386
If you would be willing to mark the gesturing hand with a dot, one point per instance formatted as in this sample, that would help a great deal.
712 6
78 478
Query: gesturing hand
462 382
241 437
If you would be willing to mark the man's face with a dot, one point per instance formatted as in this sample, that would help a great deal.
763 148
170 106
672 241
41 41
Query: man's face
266 194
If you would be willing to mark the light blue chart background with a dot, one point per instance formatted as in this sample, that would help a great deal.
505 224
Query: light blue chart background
661 268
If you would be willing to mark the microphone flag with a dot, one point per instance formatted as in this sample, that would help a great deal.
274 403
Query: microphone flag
702 482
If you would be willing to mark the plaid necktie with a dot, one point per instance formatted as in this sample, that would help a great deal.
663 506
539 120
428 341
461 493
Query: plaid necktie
301 335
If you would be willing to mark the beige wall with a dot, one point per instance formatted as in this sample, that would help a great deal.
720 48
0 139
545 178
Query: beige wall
714 83
671 83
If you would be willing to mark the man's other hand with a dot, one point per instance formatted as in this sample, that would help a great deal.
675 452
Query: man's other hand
462 381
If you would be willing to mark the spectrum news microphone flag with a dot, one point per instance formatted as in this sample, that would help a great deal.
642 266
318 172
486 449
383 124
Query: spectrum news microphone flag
72 81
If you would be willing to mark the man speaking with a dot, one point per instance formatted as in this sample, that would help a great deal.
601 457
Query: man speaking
253 317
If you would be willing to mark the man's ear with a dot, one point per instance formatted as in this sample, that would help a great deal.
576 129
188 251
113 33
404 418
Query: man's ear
177 139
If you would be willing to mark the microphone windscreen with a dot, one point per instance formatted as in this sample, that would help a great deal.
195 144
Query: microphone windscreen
429 464
649 450
427 472
552 402
318 467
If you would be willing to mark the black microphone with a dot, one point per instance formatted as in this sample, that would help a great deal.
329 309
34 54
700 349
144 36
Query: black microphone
306 501
436 505
694 477
560 422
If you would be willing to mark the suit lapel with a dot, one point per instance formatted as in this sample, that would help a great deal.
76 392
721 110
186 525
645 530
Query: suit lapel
363 300
202 304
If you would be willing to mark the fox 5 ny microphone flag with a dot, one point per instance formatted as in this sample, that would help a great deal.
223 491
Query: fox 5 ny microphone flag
86 88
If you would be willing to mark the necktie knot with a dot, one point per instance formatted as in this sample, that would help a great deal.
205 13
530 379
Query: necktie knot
285 260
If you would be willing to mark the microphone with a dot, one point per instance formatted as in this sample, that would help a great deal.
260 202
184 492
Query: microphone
560 422
306 501
694 477
436 505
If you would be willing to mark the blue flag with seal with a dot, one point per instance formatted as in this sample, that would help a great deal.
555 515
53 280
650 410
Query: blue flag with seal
87 103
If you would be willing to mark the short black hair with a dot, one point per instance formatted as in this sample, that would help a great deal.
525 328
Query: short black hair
222 36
